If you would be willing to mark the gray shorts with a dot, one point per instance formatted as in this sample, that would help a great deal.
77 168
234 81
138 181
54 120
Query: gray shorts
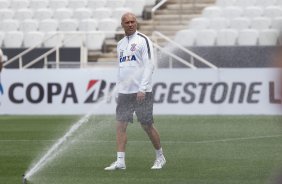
127 105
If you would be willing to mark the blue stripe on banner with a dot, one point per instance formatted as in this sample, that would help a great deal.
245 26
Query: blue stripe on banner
1 89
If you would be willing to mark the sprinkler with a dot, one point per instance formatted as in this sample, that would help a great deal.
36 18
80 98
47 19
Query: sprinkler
24 181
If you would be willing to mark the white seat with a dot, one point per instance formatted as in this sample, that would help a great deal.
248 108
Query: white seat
218 23
115 3
227 37
239 23
260 23
101 13
24 13
77 4
82 13
118 12
268 37
94 40
2 34
52 39
248 37
277 23
199 23
33 38
212 11
94 4
29 25
56 4
88 25
231 12
245 3
68 25
18 4
108 25
223 3
62 13
136 6
43 13
73 39
48 25
206 37
9 25
185 37
272 11
252 11
6 14
4 4
37 4
264 3
150 2
13 39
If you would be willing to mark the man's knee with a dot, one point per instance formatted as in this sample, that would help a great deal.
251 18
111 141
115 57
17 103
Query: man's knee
147 127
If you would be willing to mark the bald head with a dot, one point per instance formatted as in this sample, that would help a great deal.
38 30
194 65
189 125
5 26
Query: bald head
129 23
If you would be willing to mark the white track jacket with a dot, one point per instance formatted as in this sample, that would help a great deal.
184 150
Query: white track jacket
136 65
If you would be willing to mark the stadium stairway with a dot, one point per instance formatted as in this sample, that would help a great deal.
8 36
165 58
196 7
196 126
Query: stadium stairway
173 16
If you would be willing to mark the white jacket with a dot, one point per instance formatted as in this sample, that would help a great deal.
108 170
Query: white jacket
136 65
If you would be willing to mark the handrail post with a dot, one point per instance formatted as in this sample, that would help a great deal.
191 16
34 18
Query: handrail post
45 62
20 62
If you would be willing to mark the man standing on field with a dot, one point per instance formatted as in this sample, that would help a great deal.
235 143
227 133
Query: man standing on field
135 55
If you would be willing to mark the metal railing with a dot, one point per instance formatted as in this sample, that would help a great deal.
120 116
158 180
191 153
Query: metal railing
193 57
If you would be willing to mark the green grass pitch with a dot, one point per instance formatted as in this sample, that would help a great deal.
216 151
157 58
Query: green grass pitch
199 150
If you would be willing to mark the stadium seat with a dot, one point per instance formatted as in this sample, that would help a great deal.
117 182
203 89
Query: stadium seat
268 37
248 37
24 13
43 13
6 14
185 37
136 6
252 11
150 2
108 25
9 25
223 3
13 39
94 40
260 23
88 25
227 37
245 3
239 23
231 12
48 25
37 4
82 13
33 38
94 4
277 23
212 11
118 12
73 39
101 13
18 4
2 34
77 4
68 25
56 4
278 3
62 13
206 37
218 23
28 25
4 4
264 3
52 39
115 3
272 11
199 23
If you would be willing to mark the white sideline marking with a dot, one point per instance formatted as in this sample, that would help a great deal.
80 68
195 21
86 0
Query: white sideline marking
165 142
